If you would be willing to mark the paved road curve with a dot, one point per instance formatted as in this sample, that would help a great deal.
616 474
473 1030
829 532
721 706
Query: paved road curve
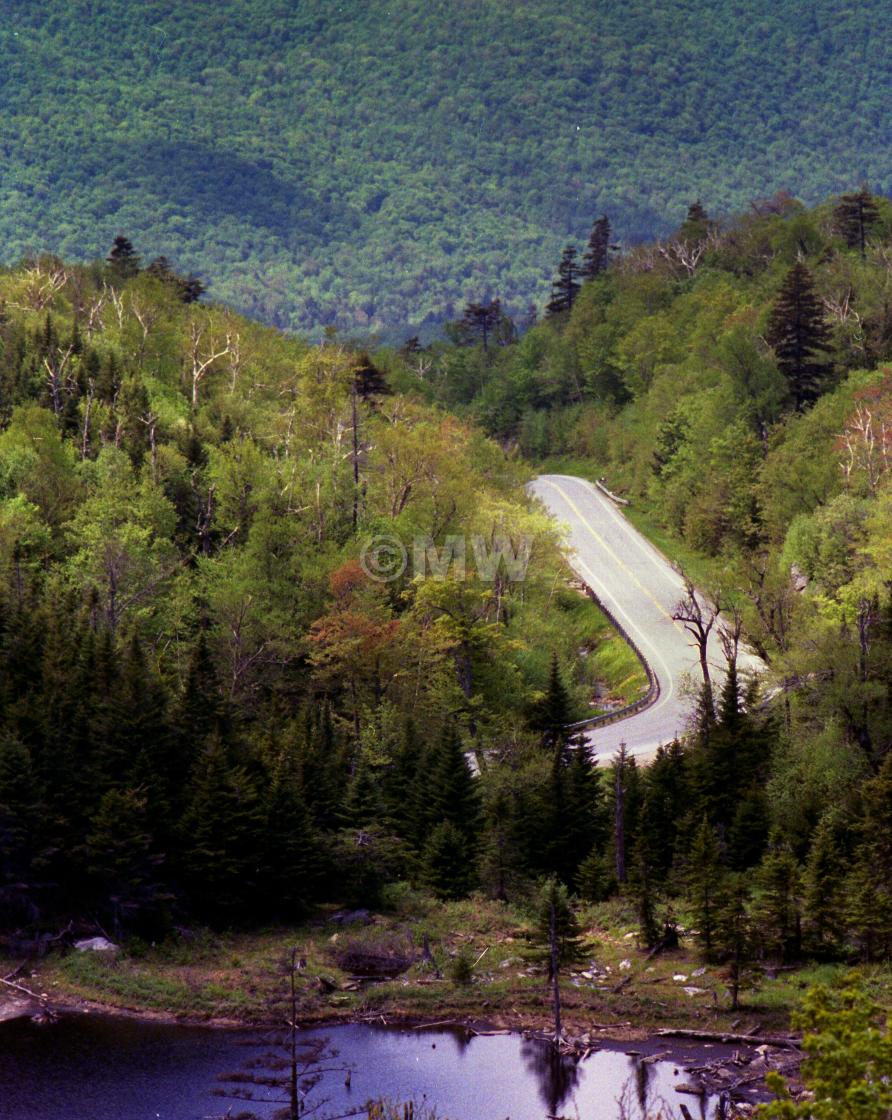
640 588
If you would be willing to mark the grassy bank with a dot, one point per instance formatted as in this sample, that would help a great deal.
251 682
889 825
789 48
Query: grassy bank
614 985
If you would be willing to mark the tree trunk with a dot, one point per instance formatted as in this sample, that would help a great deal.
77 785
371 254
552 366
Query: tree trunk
619 821
555 980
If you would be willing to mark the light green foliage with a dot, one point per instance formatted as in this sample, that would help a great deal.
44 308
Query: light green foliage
848 1071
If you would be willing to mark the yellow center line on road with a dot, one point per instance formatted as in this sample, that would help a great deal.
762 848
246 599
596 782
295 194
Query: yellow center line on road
610 552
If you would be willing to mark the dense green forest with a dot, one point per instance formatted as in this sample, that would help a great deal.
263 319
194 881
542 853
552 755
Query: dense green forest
373 165
212 712
208 707
732 381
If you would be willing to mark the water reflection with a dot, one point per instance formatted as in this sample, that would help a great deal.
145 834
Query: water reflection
89 1068
557 1074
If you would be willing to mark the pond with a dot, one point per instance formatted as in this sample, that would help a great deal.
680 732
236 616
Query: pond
101 1068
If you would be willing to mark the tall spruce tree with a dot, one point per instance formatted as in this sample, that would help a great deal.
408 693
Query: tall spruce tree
597 254
565 288
778 908
800 337
551 714
480 320
823 883
705 876
853 217
123 260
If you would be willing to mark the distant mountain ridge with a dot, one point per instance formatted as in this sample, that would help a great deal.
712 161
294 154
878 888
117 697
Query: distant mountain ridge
373 164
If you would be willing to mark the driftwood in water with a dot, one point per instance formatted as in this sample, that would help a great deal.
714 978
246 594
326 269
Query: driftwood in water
720 1036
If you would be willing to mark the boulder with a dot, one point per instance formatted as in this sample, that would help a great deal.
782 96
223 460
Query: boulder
96 945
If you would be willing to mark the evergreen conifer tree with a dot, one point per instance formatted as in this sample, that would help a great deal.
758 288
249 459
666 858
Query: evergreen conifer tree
552 713
480 320
565 288
220 836
778 908
123 260
823 883
447 861
733 933
800 337
291 860
597 255
705 875
695 227
853 217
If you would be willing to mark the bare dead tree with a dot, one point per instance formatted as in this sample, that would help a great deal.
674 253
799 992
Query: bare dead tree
56 366
729 634
866 443
150 421
93 313
698 616
43 283
290 1068
202 355
88 408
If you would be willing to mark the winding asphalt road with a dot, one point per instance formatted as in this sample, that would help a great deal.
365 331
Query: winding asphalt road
640 588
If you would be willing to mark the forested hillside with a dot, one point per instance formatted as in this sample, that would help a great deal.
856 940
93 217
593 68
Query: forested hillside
733 382
209 706
212 710
374 165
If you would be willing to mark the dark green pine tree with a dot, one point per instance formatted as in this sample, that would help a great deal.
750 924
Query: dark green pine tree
291 863
369 380
201 708
644 889
161 269
123 865
140 749
583 825
696 225
449 855
480 320
800 337
123 260
556 925
869 883
367 385
552 713
853 217
704 883
451 786
823 883
733 933
447 862
221 837
364 804
666 788
778 909
597 255
565 288
400 782
325 769
108 380
20 809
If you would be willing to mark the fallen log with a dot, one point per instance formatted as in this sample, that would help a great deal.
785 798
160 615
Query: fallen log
25 991
781 1041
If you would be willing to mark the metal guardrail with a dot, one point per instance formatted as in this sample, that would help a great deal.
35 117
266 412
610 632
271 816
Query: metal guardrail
653 684
613 497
